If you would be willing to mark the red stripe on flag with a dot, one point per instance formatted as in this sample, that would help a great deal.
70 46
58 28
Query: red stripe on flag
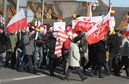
62 36
19 25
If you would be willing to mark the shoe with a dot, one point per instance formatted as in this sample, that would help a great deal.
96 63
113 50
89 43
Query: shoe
101 76
84 70
108 74
84 78
116 74
52 74
34 71
66 79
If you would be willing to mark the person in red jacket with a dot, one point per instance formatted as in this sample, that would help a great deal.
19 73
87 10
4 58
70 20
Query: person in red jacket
65 51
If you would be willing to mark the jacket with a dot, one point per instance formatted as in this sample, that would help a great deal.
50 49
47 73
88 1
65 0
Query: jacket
125 47
74 58
28 43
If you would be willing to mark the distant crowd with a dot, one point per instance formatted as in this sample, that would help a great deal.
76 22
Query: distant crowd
32 49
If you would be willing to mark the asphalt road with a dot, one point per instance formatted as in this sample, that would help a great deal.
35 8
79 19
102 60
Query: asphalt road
9 76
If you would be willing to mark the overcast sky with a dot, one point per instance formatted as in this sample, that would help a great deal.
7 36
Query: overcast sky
115 3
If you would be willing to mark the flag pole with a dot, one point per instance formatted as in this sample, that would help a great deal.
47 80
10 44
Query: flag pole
109 3
42 10
17 10
17 6
4 14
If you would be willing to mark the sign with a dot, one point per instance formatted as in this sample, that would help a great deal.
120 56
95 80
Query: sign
60 25
29 15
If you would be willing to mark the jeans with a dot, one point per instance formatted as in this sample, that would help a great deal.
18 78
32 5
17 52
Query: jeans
2 58
38 52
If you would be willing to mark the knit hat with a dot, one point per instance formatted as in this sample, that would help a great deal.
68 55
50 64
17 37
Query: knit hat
76 39
31 29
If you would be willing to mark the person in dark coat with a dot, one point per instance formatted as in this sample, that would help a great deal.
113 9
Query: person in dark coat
53 60
3 40
114 49
91 56
28 43
125 57
100 56
11 50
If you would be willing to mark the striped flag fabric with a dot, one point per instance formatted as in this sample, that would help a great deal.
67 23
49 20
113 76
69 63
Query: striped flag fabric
18 22
99 30
2 20
61 37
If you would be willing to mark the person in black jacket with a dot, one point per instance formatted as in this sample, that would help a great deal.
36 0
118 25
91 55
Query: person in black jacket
114 49
53 60
100 48
3 40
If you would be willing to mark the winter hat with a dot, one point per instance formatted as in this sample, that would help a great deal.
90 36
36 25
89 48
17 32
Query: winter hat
31 29
76 39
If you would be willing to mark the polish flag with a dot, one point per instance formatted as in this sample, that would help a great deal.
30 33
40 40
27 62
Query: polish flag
99 30
61 37
18 22
85 23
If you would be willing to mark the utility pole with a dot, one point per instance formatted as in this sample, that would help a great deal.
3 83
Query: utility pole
109 2
42 11
4 8
17 6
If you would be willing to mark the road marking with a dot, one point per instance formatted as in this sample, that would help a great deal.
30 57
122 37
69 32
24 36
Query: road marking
29 77
21 78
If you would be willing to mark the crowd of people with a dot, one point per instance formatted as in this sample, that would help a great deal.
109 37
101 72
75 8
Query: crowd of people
34 49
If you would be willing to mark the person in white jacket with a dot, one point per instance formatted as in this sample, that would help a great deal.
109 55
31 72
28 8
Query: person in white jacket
74 60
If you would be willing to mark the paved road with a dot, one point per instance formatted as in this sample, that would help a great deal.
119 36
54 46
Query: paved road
9 76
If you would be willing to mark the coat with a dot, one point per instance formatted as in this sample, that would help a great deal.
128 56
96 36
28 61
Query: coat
3 40
125 47
74 58
100 52
51 46
115 43
28 45
11 43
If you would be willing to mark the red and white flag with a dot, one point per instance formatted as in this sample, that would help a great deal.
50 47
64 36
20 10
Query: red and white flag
85 23
61 37
2 20
99 30
18 22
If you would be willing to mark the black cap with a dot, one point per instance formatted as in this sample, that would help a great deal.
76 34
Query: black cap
76 39
31 29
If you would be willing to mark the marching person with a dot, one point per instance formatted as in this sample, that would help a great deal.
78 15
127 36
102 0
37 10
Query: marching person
82 48
3 40
11 50
38 50
74 59
125 57
28 43
114 49
53 59
66 49
100 52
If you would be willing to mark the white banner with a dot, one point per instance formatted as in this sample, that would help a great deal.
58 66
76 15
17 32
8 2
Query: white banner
60 25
